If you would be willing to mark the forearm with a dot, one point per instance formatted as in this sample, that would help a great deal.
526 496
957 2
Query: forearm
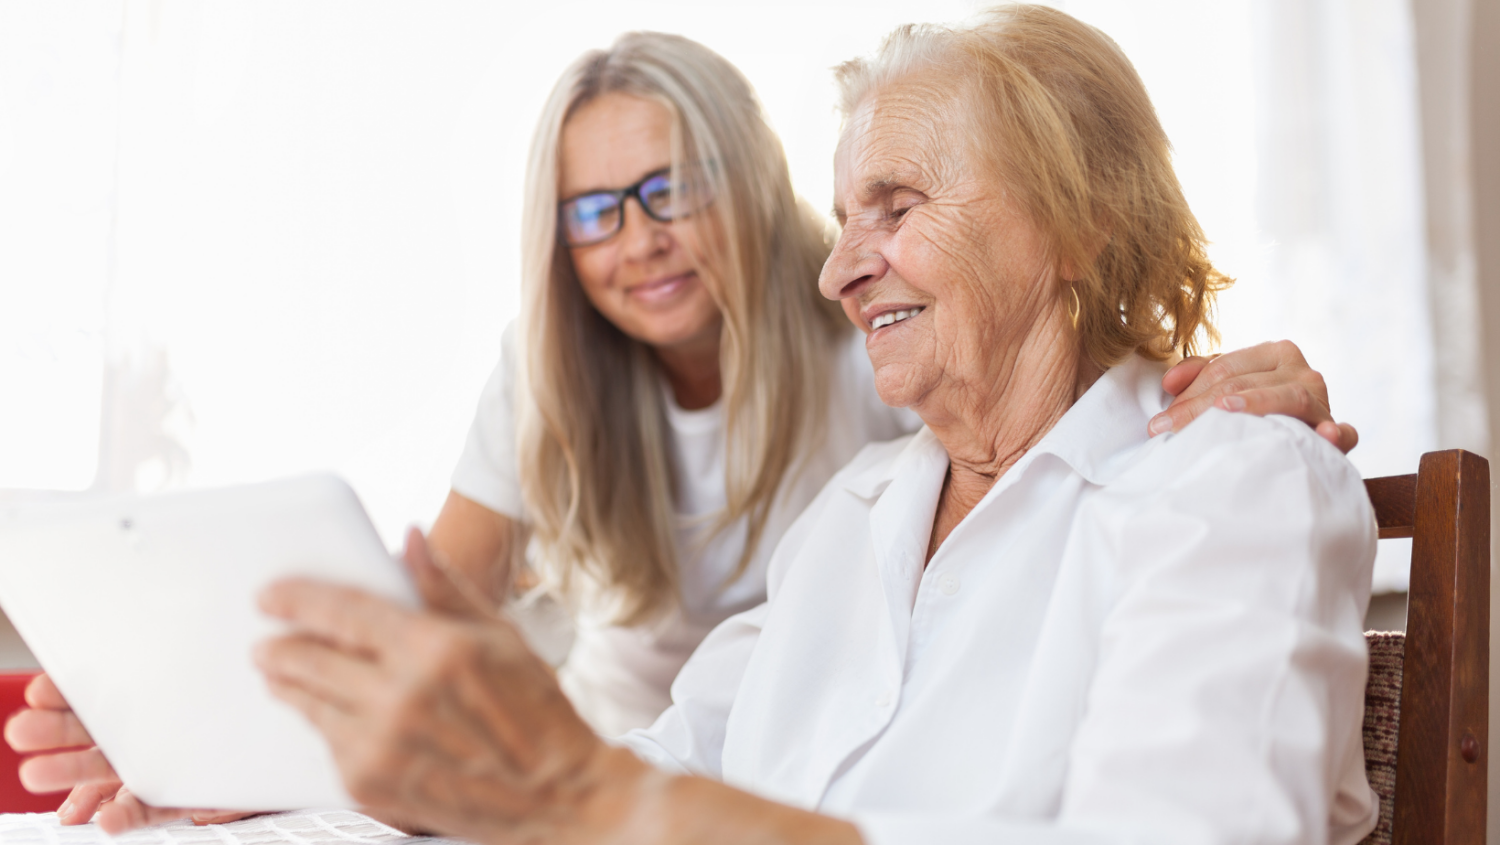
645 805
701 810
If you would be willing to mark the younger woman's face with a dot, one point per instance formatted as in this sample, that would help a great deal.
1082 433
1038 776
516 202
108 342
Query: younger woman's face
645 279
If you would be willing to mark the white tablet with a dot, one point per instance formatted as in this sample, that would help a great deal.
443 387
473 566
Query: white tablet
142 609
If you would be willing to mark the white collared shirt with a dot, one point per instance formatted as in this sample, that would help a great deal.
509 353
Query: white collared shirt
1127 640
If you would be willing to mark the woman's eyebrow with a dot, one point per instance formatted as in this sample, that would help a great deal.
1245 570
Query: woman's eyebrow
874 189
567 195
880 186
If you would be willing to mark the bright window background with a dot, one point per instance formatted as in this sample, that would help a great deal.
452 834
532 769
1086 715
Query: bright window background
241 241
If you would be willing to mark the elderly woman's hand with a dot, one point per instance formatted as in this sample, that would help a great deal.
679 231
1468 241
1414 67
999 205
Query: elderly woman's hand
449 722
66 758
1271 378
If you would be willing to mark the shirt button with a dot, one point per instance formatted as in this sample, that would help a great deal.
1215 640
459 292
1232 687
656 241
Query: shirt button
884 700
948 583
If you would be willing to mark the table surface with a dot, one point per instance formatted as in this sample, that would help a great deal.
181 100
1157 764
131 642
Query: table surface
302 827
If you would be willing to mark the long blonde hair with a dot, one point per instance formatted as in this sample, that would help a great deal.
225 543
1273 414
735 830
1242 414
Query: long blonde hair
594 461
1067 121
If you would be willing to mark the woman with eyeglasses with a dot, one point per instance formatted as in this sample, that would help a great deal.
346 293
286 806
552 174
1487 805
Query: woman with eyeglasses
676 390
673 395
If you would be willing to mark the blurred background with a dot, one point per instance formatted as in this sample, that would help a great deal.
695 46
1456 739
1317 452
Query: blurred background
241 241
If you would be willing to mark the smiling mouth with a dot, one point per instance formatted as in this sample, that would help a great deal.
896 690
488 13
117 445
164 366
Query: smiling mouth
890 317
660 288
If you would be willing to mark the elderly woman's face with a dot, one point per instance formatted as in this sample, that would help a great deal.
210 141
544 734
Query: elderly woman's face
948 272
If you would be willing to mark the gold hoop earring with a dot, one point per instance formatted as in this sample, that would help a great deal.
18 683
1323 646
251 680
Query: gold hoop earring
1076 309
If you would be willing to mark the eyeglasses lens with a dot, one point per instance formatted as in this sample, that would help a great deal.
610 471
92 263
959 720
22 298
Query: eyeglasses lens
656 195
589 218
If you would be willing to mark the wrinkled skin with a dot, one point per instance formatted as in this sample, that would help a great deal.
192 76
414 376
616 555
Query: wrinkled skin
454 724
990 361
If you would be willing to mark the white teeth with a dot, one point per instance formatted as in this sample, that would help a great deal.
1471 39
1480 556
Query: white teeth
890 317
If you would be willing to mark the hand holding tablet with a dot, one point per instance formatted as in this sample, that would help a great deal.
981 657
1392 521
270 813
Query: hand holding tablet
142 610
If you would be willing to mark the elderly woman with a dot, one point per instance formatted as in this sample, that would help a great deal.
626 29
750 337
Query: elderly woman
1027 622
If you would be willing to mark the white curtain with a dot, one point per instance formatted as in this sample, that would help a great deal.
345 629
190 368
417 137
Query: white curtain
1341 208
247 240
59 90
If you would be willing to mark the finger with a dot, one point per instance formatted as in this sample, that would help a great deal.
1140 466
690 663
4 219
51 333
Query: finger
353 619
1292 400
1183 374
1259 393
417 552
434 581
44 730
65 770
42 694
202 817
1263 358
402 823
1183 411
84 801
341 679
1348 439
331 721
1341 435
127 812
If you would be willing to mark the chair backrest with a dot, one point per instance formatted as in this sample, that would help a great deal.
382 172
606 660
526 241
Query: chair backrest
1428 694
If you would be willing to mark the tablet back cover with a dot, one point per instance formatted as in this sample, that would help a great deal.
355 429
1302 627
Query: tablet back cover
142 609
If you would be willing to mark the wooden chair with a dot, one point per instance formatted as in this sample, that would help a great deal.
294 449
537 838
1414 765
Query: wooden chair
1427 701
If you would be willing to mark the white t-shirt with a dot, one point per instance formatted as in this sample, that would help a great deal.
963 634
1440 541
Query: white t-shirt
617 677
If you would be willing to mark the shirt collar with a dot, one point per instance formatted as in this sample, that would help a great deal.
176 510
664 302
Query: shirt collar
870 482
1100 433
1096 437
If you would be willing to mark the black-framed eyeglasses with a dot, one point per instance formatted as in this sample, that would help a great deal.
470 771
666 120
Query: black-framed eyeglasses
597 216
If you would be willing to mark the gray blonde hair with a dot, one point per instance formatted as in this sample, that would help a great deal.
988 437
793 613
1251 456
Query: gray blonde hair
1069 127
594 461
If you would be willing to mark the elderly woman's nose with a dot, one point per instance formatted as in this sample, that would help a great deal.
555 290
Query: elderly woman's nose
850 269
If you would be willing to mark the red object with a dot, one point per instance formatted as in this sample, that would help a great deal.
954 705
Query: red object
13 796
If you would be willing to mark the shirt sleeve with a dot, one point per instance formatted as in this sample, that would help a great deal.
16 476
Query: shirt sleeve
1226 699
486 471
688 738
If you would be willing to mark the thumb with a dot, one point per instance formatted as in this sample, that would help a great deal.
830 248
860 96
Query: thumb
432 583
417 555
442 589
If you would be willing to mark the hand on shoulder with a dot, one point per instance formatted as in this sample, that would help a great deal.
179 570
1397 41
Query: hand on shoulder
1269 378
